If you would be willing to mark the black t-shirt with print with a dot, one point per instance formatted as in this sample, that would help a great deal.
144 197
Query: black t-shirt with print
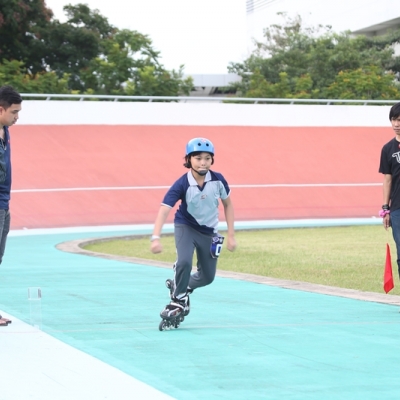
390 164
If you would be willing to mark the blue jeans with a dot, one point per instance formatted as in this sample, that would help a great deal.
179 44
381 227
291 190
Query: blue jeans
4 229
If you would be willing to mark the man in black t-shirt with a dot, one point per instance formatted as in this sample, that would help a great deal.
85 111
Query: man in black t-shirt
390 167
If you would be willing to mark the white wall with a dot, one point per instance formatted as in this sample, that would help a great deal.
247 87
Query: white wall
198 114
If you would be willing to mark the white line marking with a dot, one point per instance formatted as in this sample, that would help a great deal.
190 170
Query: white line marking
272 185
90 189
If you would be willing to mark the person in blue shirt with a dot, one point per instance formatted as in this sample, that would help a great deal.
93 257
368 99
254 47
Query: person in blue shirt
195 225
10 106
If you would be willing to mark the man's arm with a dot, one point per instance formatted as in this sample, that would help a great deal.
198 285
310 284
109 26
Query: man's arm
387 185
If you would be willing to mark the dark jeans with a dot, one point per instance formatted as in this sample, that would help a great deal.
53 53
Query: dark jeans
4 229
395 223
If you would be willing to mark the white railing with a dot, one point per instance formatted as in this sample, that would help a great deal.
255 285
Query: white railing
184 99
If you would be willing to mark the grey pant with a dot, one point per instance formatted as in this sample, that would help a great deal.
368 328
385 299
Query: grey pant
4 229
187 240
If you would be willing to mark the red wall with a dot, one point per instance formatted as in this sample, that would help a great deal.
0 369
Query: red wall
46 157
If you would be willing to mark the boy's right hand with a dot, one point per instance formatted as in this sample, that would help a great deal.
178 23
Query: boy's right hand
386 221
156 246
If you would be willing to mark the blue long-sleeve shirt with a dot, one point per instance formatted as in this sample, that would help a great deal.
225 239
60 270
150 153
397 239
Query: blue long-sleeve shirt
5 187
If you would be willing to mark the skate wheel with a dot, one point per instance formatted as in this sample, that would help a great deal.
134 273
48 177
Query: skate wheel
168 283
177 323
164 325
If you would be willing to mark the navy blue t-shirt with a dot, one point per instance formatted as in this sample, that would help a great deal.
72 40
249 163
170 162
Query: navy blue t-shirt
199 206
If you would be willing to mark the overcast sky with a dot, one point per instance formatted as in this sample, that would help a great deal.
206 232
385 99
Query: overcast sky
203 35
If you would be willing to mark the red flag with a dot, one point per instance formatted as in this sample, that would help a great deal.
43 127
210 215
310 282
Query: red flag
388 283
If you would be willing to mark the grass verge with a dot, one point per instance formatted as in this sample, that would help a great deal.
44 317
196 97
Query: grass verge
346 257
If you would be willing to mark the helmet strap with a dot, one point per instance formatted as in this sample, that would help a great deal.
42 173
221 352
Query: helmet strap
202 173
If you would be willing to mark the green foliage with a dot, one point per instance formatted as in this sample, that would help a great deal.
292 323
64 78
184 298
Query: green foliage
129 65
158 82
260 87
14 73
368 83
69 47
85 54
297 62
20 23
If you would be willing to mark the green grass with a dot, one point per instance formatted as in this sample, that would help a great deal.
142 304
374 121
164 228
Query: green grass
346 257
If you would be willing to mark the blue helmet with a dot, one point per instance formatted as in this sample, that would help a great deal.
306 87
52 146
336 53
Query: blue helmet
199 144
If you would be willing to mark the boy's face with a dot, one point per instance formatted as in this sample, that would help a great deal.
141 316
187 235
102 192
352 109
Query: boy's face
9 116
201 163
396 125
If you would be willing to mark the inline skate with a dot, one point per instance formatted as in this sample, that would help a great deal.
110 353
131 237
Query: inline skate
174 313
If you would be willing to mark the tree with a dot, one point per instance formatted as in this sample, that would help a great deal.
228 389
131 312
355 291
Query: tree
260 87
20 21
91 54
70 47
311 60
364 83
14 73
129 64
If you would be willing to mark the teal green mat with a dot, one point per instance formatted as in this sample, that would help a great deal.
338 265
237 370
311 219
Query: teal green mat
241 340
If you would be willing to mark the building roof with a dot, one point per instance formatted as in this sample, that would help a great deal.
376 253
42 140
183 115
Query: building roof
380 28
